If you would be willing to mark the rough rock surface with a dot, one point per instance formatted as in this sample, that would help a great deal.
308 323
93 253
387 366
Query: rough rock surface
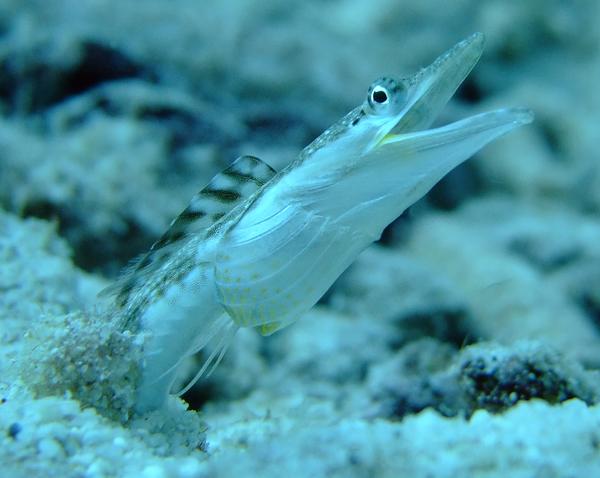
466 344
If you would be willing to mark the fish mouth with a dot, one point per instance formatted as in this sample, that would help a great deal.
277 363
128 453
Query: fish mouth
438 150
430 89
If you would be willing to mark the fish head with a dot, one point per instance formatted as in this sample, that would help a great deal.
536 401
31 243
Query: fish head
383 153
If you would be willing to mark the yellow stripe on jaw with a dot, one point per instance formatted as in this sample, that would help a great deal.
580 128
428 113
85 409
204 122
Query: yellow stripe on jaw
403 140
388 138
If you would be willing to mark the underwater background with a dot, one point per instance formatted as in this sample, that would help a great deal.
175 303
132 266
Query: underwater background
465 343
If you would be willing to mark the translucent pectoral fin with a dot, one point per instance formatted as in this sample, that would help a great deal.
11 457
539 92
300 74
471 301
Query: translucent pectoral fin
219 340
448 146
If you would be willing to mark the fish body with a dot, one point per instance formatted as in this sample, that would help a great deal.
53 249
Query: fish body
256 248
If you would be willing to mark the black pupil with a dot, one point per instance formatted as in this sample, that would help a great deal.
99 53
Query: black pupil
380 96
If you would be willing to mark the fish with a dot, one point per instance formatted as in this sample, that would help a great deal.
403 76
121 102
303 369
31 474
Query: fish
257 248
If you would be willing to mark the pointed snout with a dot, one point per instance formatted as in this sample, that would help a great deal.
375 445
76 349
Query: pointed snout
431 88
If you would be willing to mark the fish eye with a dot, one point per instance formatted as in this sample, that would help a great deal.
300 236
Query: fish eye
385 96
380 95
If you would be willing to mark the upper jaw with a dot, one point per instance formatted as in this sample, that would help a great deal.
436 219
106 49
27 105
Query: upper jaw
430 89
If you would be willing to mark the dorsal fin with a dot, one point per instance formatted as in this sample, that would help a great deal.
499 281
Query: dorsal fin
226 190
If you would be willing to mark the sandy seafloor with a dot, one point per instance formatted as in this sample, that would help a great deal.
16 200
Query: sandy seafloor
466 344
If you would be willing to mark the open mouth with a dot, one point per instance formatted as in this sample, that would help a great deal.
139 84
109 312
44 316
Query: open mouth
430 89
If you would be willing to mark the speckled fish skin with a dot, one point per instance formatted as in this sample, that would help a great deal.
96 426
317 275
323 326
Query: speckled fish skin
258 249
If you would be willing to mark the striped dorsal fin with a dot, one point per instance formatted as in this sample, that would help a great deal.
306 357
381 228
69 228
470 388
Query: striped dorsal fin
225 191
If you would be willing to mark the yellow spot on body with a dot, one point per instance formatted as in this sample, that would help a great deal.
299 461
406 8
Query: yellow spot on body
269 328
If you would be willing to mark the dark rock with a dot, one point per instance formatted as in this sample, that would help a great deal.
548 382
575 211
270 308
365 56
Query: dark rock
495 378
30 82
